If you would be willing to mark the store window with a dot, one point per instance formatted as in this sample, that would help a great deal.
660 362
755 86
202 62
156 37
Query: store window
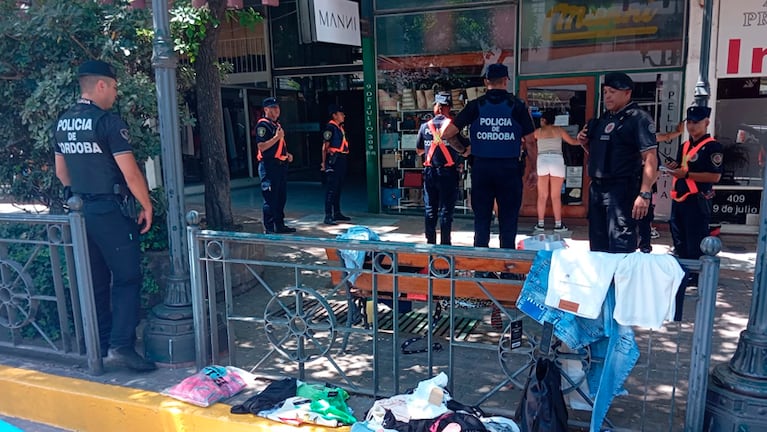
420 54
597 35
741 126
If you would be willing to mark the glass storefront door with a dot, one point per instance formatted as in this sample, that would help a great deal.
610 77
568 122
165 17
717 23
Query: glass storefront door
572 99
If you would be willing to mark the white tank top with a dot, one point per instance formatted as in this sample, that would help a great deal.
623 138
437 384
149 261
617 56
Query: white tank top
550 145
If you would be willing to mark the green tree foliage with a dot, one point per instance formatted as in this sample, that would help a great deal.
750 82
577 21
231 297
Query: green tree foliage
42 43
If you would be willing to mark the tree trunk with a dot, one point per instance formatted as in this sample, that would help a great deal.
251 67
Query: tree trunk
218 200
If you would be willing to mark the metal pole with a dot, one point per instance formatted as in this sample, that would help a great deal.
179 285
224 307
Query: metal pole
168 337
702 88
737 395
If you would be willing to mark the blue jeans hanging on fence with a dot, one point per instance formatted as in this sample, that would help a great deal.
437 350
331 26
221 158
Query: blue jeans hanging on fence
608 340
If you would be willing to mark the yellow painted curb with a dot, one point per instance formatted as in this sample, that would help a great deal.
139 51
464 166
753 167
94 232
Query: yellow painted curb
80 405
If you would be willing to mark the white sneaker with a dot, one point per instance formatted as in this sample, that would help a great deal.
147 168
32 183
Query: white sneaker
654 233
538 228
561 228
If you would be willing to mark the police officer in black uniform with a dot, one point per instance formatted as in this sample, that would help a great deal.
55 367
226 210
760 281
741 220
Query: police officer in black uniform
335 152
500 124
95 159
623 166
273 163
441 171
697 167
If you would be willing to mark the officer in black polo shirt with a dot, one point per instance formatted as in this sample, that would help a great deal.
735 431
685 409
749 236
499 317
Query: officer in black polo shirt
335 153
500 125
697 167
441 171
273 163
623 165
95 159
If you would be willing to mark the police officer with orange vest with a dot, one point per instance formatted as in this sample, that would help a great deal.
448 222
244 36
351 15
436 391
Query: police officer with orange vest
697 167
335 151
273 163
500 125
441 171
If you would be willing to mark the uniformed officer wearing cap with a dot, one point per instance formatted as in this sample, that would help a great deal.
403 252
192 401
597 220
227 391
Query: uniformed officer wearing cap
623 165
273 163
335 152
94 157
697 167
441 171
500 124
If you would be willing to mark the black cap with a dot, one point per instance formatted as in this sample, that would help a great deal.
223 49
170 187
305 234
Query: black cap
497 70
270 102
619 81
443 98
97 68
333 108
698 113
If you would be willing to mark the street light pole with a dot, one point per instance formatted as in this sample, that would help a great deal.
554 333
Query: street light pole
737 394
169 335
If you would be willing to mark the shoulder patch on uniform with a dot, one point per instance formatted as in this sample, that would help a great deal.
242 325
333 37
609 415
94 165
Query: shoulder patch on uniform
716 159
651 128
124 133
327 135
261 131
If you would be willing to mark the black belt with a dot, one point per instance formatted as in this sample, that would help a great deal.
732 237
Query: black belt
607 180
99 197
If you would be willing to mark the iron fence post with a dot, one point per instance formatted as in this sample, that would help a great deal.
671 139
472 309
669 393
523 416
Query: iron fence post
85 285
198 296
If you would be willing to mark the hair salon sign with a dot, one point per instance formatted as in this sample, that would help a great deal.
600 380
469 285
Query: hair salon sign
742 41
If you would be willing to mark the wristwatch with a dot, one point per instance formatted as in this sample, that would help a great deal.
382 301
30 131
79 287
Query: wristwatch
645 195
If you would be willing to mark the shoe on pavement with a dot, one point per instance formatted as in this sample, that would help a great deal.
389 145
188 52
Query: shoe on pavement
329 221
285 230
127 357
654 234
561 228
341 217
538 228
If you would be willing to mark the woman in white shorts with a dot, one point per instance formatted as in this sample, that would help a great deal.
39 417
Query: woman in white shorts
551 168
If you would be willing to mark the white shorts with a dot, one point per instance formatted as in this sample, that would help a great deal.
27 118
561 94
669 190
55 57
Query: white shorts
551 164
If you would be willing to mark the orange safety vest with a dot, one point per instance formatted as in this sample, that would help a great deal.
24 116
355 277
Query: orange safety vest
281 151
437 142
687 154
344 149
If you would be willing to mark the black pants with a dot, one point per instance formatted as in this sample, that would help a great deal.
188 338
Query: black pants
274 188
496 180
689 225
644 229
440 191
611 226
115 257
335 173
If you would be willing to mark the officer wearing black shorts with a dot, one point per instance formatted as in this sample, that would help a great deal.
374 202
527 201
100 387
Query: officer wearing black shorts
441 171
500 124
697 167
623 165
273 163
335 153
95 159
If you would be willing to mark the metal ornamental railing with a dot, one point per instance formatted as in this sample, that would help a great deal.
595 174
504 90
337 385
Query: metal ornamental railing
268 303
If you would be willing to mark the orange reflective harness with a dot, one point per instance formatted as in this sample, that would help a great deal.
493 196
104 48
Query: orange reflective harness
687 154
280 152
438 142
344 149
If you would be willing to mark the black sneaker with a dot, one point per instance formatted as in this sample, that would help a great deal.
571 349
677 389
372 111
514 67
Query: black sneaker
329 221
340 217
285 230
127 357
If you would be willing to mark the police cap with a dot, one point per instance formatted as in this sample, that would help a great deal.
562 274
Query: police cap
97 68
698 113
619 81
333 108
497 70
443 98
270 102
